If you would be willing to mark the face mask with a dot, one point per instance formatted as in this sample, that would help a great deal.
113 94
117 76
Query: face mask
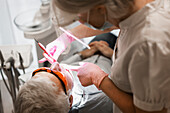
106 24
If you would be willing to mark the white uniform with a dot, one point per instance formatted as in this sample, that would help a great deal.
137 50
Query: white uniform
142 63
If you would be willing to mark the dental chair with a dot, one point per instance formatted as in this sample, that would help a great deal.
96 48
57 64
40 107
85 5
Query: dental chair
13 61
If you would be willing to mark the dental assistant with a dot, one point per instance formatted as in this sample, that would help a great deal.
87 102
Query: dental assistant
140 77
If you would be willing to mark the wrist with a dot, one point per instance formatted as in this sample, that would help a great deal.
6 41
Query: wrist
97 80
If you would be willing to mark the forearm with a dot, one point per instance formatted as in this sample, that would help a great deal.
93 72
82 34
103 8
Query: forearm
83 31
123 100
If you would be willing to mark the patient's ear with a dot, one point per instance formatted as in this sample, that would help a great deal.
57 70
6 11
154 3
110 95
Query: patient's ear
71 100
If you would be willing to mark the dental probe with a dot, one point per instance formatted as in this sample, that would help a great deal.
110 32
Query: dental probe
74 37
43 48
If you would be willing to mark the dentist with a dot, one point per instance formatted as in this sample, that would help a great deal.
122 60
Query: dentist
140 79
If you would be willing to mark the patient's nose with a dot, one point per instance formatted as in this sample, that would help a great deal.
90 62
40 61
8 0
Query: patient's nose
56 66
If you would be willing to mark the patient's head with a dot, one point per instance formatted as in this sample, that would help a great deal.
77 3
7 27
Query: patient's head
46 93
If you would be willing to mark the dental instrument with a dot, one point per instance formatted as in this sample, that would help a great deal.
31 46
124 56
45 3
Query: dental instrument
47 55
74 37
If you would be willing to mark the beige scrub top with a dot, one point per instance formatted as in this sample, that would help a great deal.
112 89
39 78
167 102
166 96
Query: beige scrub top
141 65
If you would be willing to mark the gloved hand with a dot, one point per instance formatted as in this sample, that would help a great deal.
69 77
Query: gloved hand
56 47
89 73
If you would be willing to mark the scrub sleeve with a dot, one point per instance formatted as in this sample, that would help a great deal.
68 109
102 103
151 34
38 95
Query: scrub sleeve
144 71
149 76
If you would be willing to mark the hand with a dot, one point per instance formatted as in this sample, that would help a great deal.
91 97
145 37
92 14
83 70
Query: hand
96 42
56 47
55 66
89 73
88 52
103 48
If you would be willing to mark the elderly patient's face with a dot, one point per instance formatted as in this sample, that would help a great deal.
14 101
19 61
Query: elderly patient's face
66 73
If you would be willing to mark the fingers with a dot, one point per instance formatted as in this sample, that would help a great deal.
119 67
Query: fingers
53 50
84 73
93 43
100 46
98 43
82 63
56 66
104 42
74 68
49 59
42 60
103 47
57 53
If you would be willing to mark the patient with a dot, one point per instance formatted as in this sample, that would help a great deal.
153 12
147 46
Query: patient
49 90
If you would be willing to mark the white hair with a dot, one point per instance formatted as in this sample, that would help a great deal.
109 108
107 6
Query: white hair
119 8
40 95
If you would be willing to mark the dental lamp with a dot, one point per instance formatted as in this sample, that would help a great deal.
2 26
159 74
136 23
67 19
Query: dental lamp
35 23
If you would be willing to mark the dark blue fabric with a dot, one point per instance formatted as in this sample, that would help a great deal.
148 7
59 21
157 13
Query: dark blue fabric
108 37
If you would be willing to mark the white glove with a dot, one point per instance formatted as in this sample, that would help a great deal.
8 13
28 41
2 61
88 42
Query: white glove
56 47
